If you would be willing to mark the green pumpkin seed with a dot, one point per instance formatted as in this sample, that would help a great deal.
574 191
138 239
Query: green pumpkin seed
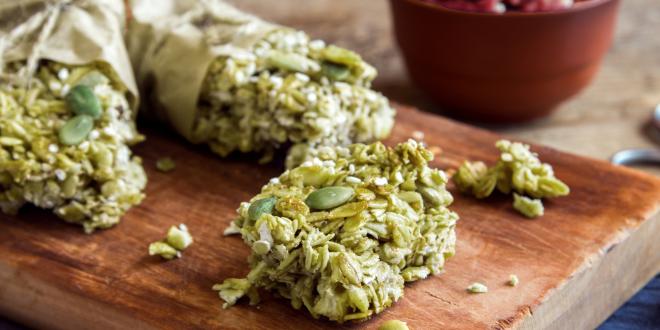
82 101
340 55
76 129
329 197
261 206
335 71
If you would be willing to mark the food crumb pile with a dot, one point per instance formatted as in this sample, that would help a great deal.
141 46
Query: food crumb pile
519 171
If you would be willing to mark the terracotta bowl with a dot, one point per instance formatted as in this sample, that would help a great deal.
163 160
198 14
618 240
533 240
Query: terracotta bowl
508 67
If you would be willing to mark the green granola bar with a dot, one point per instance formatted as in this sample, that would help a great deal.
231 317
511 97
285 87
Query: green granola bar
64 145
288 90
342 232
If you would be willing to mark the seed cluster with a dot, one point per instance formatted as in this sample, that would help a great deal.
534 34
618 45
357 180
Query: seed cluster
342 232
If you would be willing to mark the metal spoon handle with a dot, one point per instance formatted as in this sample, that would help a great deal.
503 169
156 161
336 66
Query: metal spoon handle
636 156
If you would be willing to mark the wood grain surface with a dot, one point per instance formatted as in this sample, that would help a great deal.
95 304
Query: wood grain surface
576 264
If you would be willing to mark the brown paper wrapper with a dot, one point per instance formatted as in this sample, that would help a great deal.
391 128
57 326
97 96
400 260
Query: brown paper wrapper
173 42
73 32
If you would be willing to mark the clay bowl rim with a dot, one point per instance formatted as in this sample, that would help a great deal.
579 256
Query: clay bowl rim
575 8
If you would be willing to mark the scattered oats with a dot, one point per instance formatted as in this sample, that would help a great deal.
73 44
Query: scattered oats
94 134
329 163
109 130
443 176
399 177
380 181
311 97
302 77
60 174
63 74
84 146
352 179
274 181
276 81
53 148
317 44
177 240
65 90
240 77
55 86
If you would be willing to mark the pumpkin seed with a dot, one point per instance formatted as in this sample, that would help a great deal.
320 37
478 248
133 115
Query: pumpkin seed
340 55
335 71
329 197
291 62
75 130
82 101
261 206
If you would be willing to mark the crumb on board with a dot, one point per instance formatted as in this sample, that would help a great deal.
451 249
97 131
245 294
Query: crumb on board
165 164
477 287
513 280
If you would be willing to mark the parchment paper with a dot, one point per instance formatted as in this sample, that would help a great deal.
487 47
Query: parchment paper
72 32
173 42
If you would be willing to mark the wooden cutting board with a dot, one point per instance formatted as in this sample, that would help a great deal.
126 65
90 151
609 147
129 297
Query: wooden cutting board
589 253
